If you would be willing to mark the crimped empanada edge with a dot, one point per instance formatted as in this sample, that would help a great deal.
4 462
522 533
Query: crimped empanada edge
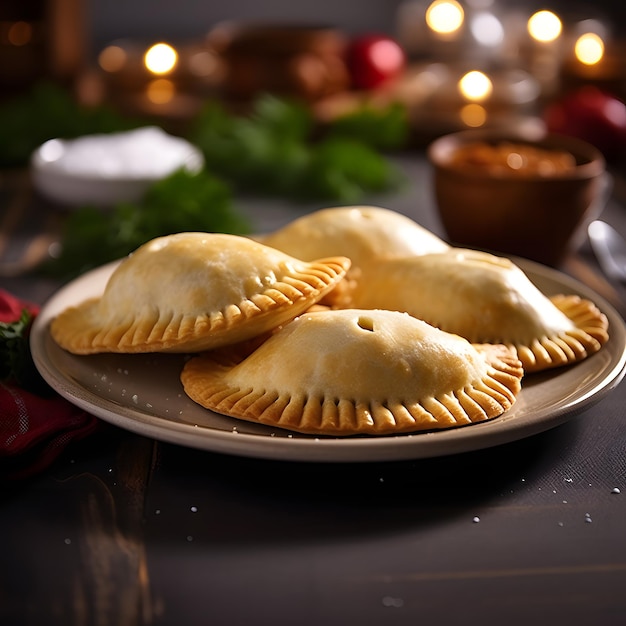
73 330
203 381
570 346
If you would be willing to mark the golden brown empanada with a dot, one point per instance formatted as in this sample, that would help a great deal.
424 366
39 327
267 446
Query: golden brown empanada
362 233
194 291
357 372
486 299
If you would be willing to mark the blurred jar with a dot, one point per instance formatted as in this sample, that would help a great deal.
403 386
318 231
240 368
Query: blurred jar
288 60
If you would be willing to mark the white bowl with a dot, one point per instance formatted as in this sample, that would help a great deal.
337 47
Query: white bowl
103 170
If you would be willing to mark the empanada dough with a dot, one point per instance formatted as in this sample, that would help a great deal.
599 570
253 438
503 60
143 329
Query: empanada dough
357 372
194 291
486 299
362 233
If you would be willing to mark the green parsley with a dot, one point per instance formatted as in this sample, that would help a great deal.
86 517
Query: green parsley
15 361
274 151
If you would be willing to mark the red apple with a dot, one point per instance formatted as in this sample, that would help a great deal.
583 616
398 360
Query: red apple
374 60
592 115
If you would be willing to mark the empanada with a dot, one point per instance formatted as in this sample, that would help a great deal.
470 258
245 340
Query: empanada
194 291
362 233
357 372
486 299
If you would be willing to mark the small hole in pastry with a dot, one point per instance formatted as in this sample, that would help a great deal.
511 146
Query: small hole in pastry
366 323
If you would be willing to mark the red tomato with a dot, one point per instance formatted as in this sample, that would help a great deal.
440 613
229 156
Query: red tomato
592 115
373 60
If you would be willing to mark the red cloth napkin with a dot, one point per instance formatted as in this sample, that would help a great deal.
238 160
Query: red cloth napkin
34 429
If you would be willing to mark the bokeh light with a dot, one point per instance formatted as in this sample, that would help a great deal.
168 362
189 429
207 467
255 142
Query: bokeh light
445 16
487 29
589 48
160 91
544 26
475 86
473 115
161 58
113 58
20 33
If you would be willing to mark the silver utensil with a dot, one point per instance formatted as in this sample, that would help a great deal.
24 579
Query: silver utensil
610 249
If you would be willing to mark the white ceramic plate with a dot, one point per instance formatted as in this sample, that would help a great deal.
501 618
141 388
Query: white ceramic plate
143 394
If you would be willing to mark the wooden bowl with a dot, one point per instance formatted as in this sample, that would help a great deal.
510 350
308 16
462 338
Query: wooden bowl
527 212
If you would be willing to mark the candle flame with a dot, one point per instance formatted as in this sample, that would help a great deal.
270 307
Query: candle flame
544 26
160 58
475 86
445 16
589 48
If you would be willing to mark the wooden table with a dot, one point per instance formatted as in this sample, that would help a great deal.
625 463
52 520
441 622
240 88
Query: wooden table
126 530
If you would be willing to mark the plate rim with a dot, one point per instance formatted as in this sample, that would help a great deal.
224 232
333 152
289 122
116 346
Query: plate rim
409 446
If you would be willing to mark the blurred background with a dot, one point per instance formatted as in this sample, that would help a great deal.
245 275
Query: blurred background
296 100
73 41
451 64
191 18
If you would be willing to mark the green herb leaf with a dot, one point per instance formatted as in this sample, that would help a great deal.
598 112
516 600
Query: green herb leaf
383 128
16 361
14 347
264 152
344 170
272 151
